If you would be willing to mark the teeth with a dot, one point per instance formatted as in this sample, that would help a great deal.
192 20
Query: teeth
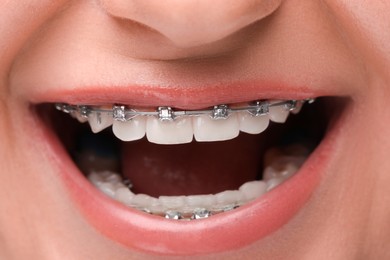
207 129
281 169
201 201
131 130
169 126
99 121
278 114
79 117
229 197
195 206
252 124
252 190
124 195
171 132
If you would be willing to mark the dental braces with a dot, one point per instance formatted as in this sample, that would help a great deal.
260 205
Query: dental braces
167 114
196 214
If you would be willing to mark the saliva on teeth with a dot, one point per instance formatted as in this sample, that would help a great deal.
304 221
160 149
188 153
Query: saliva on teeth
192 207
166 126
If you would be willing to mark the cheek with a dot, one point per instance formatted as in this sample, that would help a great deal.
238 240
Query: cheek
18 21
366 25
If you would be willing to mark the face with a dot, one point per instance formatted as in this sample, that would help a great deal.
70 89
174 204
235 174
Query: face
186 148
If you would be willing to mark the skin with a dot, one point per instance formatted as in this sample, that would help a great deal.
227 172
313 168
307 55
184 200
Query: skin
340 47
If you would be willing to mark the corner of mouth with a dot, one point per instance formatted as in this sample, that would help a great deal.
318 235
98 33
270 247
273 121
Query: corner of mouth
100 171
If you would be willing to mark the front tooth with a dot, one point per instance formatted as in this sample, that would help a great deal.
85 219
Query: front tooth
172 202
253 189
200 201
99 121
278 114
131 130
208 129
252 124
178 131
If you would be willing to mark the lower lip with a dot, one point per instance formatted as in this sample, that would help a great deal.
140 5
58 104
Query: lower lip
222 232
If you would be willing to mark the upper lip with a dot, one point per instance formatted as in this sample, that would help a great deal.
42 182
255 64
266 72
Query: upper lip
178 97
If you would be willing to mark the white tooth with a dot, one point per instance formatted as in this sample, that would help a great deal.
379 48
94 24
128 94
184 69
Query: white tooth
156 207
283 167
124 195
113 178
200 201
131 130
107 188
172 202
99 121
229 197
208 129
178 131
298 108
278 114
143 201
273 183
253 189
283 173
95 178
79 117
252 124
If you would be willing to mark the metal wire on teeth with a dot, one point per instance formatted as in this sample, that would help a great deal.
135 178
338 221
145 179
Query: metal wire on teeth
196 214
165 113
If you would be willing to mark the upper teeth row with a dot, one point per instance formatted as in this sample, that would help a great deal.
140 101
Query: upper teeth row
168 126
164 113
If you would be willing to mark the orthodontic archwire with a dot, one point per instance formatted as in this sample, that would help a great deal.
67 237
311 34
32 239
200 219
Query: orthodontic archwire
166 113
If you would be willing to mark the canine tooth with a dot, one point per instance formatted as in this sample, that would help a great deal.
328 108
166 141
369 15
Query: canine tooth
131 130
252 124
278 114
124 195
253 189
99 121
208 129
171 132
79 117
229 197
298 107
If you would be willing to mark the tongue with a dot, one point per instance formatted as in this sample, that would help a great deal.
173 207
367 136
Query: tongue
190 169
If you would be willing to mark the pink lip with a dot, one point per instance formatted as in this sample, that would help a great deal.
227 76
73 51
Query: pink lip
222 232
178 97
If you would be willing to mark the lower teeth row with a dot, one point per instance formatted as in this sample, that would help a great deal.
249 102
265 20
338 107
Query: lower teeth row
193 207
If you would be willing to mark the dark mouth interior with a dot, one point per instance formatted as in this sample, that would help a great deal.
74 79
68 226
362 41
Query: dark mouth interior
195 168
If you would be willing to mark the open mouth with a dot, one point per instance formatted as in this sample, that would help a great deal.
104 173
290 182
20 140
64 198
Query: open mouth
185 168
